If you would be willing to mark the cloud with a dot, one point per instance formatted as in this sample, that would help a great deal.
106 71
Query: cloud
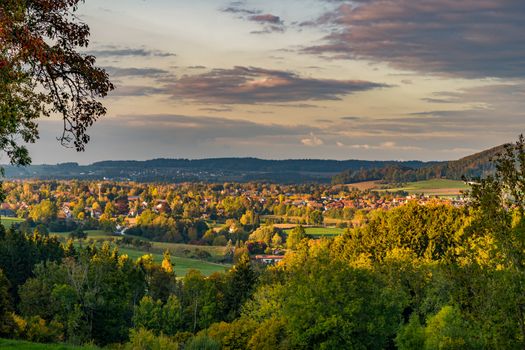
113 51
388 145
238 7
172 136
218 109
202 127
312 141
468 38
266 18
270 23
437 100
248 85
135 90
135 72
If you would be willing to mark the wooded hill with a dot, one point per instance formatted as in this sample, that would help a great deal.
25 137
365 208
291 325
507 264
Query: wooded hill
215 170
261 170
473 166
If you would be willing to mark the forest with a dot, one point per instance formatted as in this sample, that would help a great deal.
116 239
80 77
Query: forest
473 166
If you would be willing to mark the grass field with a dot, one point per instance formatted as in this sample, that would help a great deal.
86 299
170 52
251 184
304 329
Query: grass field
23 345
321 231
181 265
96 235
178 251
435 187
7 222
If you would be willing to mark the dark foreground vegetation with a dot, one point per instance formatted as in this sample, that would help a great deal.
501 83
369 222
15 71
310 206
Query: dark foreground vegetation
428 276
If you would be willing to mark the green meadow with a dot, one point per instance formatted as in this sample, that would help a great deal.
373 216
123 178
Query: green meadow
179 252
321 231
7 222
9 344
434 187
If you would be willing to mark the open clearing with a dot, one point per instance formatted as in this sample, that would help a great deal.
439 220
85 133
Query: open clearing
435 187
177 251
181 265
7 222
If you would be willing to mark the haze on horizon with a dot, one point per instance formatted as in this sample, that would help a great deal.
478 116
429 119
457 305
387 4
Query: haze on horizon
278 79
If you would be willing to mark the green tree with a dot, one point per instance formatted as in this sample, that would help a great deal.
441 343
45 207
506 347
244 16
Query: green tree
158 317
448 330
498 233
264 234
411 336
315 217
78 233
241 282
19 253
148 315
295 237
6 306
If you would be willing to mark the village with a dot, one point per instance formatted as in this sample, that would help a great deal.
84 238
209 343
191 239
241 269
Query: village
111 200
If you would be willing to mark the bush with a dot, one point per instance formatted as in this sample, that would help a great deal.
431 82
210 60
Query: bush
36 329
202 342
142 339
62 226
220 241
448 330
411 336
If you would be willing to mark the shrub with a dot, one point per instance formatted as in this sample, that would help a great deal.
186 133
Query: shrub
142 339
202 342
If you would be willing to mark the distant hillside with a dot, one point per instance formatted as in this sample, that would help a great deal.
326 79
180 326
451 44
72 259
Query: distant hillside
208 170
254 169
476 165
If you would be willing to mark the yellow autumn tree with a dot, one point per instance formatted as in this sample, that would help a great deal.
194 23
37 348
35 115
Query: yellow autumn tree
166 262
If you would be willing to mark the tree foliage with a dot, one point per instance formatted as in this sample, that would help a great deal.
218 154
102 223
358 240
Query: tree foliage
43 73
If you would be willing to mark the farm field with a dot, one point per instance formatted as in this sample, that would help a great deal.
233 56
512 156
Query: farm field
435 187
9 344
178 253
365 185
7 222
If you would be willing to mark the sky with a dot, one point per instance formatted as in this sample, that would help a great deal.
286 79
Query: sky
279 79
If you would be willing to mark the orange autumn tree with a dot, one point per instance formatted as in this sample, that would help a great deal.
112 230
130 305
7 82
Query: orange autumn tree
42 73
